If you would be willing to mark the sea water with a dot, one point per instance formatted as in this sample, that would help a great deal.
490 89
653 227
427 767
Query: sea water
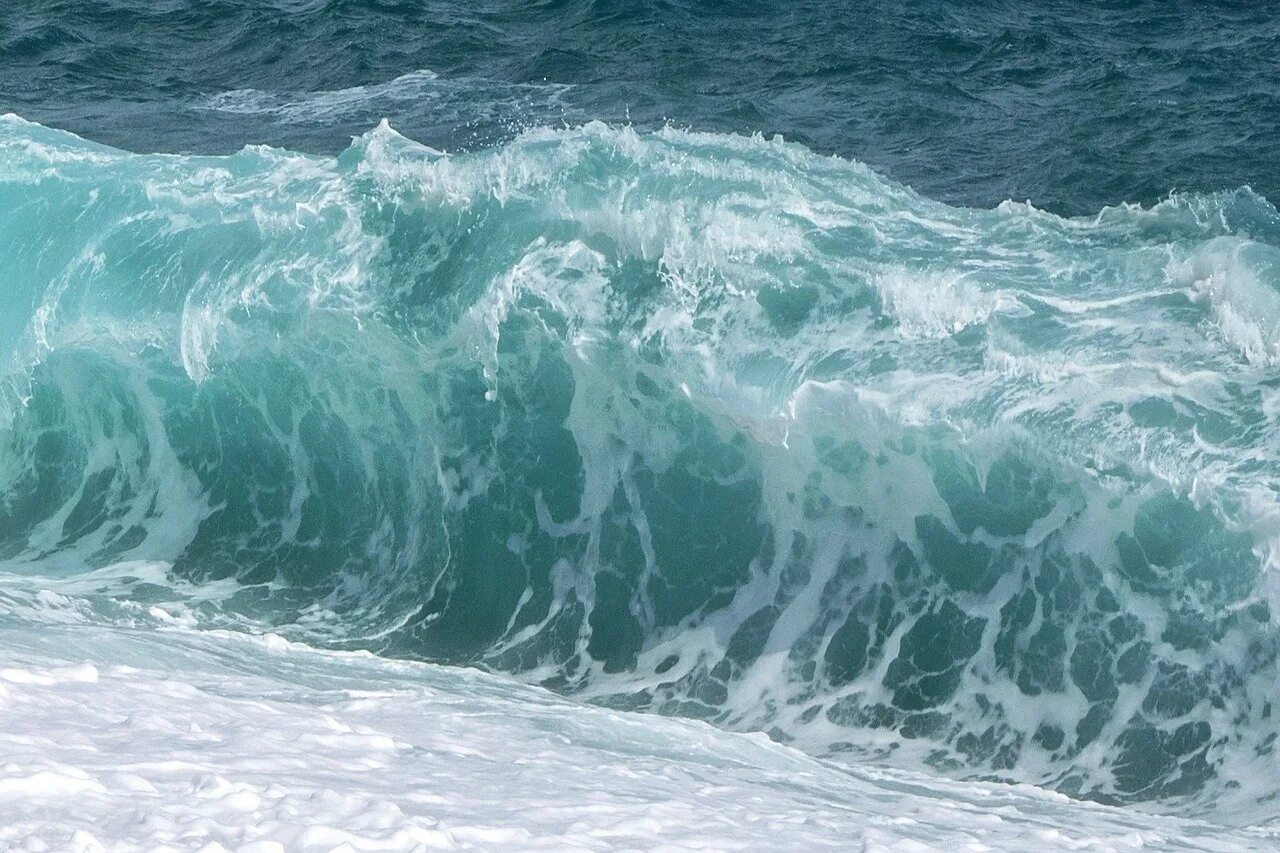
654 424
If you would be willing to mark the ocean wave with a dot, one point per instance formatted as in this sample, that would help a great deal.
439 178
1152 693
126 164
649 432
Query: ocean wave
700 424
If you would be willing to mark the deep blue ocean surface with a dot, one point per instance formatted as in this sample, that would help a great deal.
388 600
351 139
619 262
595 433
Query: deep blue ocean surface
1072 106
904 383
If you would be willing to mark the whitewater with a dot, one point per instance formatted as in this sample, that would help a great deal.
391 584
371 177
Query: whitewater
211 740
611 487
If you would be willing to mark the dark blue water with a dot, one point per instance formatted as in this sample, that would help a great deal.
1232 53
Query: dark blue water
1071 105
593 366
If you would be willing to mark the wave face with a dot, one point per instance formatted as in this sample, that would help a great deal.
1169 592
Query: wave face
700 424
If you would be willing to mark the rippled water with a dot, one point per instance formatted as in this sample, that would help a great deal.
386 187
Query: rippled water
1073 107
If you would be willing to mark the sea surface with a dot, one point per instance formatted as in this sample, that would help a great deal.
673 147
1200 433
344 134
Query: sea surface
594 424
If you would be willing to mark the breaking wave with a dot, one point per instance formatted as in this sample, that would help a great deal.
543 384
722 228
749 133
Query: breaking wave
700 424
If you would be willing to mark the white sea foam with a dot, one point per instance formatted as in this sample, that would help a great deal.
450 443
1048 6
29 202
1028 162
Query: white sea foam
418 90
932 304
1236 278
179 740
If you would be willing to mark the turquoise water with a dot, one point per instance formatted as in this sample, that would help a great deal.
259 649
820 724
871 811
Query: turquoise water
659 413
